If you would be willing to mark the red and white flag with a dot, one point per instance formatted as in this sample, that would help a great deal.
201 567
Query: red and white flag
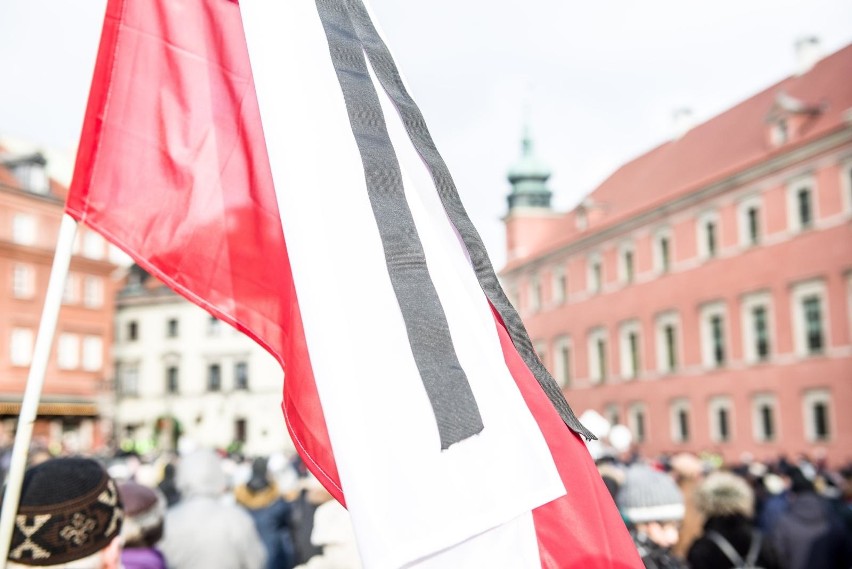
266 161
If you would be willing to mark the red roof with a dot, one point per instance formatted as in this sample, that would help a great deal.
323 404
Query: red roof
730 142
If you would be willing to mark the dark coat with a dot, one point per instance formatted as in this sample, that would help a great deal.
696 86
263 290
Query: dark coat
810 536
654 556
271 515
739 531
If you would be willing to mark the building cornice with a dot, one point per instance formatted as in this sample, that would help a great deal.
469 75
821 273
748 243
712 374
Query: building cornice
734 181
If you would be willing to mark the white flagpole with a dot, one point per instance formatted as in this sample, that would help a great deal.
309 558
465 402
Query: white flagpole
35 381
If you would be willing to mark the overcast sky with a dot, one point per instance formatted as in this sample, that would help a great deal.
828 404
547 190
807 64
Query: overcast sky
600 79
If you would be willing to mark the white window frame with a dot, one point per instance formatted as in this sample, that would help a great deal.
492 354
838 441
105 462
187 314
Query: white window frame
23 281
128 380
559 282
93 353
846 185
93 245
93 292
561 373
594 285
759 401
716 404
612 414
595 373
701 234
623 249
21 346
68 351
793 186
810 398
747 305
24 229
633 410
71 290
663 319
708 312
625 355
754 201
534 292
675 407
659 235
815 287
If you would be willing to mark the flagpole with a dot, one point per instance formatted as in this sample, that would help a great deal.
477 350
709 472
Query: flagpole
35 381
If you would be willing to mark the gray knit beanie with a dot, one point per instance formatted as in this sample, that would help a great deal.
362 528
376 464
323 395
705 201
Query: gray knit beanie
649 496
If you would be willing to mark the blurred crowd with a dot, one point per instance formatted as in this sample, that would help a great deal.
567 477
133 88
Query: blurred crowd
686 511
207 508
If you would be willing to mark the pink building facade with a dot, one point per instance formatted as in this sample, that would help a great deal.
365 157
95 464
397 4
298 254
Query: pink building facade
702 295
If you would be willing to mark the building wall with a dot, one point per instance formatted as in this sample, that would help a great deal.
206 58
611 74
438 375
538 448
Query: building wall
208 418
785 264
75 388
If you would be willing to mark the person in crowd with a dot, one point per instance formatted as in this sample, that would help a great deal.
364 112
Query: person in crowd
729 538
144 511
262 499
202 530
688 472
332 532
809 535
69 516
168 486
653 506
303 506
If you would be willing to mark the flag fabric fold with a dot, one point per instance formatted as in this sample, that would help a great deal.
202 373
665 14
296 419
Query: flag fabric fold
253 158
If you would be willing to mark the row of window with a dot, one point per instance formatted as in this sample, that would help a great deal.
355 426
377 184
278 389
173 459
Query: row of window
72 350
128 374
171 328
808 305
24 287
25 231
765 418
800 205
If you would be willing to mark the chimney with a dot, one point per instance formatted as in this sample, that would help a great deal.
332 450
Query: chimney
682 121
808 52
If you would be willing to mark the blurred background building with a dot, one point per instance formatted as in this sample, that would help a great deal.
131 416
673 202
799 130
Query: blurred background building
180 372
702 294
75 410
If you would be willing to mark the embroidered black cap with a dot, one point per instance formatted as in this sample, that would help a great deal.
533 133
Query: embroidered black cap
69 509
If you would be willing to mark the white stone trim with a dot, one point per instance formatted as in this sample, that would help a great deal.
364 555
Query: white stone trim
562 373
677 405
595 373
703 246
810 399
662 320
707 312
625 356
800 291
748 303
758 401
717 404
794 185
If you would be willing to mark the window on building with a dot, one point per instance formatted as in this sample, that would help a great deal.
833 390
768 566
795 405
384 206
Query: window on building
21 347
611 414
535 293
597 355
713 346
172 379
708 235
749 220
636 422
23 281
241 375
172 328
93 245
214 377
132 331
757 334
630 357
667 342
763 417
812 308
71 291
720 419
68 351
629 271
753 225
560 285
93 353
128 379
93 292
679 413
805 208
23 229
759 318
595 274
214 326
663 252
241 430
817 415
627 263
562 362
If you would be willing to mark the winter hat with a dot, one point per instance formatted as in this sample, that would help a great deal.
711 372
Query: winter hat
69 509
648 495
725 494
144 510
